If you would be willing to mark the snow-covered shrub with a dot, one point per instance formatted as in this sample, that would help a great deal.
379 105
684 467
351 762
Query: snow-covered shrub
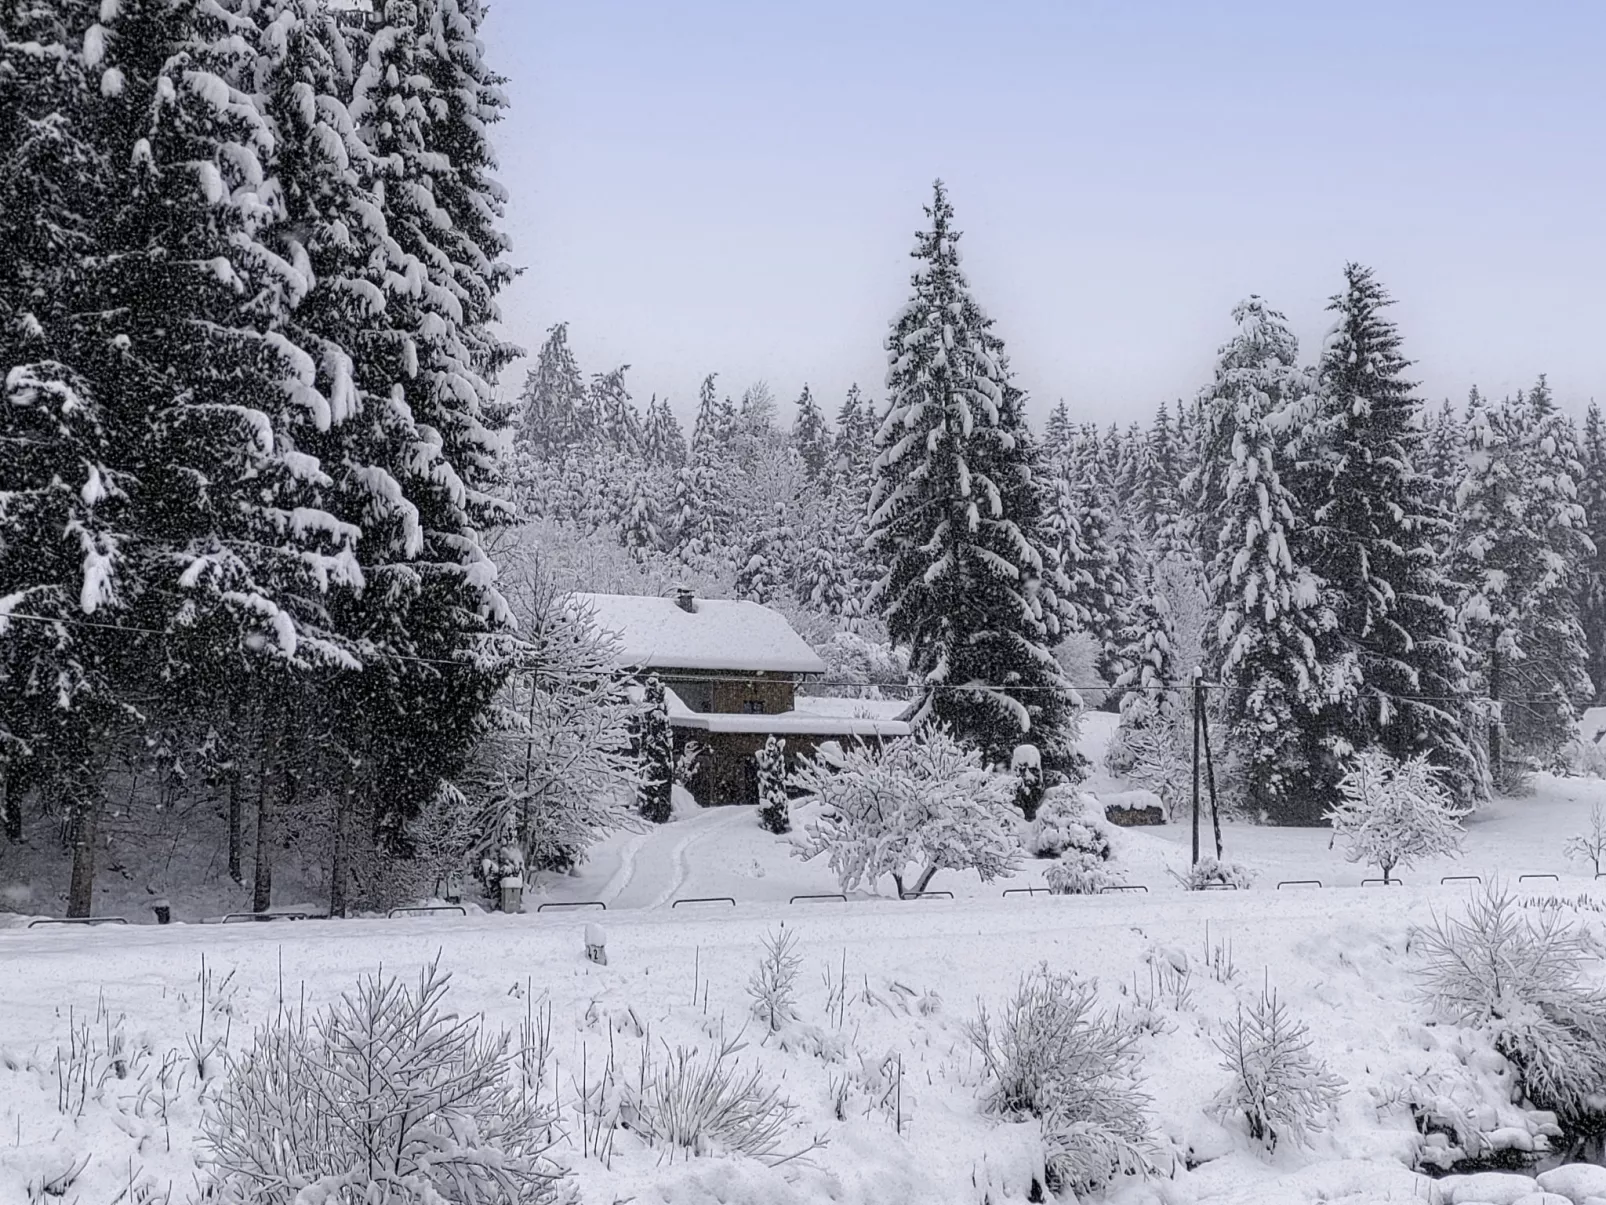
774 805
1393 812
709 1105
1052 1055
920 801
1026 764
1521 979
1078 873
691 756
773 986
1207 873
1063 824
1590 845
384 1095
1279 1087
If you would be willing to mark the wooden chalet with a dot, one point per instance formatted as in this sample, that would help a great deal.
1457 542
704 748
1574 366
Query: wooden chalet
731 671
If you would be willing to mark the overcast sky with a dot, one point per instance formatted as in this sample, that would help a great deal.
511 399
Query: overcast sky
732 186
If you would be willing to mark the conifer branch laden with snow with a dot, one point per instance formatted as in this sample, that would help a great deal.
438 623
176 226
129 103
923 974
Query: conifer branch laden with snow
1282 1090
1393 813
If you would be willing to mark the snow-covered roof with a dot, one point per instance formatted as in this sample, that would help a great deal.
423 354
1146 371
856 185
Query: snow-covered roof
720 634
797 722
855 709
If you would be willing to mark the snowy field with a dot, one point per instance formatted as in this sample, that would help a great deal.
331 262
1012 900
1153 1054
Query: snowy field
877 1064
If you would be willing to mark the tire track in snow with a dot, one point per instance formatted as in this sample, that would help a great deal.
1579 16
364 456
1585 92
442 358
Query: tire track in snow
636 873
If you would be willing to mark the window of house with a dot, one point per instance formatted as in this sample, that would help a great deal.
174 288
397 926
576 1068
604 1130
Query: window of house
754 707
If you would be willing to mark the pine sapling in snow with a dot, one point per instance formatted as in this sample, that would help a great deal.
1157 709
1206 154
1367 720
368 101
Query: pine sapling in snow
1392 813
1281 1089
773 801
1590 846
773 986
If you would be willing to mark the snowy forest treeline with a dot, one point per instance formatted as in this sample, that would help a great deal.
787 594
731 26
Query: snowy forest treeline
269 540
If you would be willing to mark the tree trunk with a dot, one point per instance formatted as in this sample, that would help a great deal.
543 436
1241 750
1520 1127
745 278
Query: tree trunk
341 855
1497 768
232 785
924 880
84 826
262 888
10 810
897 881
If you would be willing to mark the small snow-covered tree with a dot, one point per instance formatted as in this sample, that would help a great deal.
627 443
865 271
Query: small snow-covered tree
663 443
919 804
773 985
1590 845
1278 1086
654 795
1392 813
1026 764
810 436
773 801
1052 1055
553 399
1520 978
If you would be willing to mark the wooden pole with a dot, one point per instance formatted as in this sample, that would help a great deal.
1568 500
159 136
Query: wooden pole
1197 717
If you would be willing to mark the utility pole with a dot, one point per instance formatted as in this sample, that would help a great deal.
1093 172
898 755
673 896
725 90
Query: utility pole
1198 718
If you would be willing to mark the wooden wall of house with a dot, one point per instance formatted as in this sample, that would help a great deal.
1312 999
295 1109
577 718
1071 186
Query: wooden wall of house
731 693
727 773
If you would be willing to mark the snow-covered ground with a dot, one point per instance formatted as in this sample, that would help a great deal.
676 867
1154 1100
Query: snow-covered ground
915 971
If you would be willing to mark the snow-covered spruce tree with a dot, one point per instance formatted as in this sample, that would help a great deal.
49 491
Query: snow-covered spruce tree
1592 585
60 527
1396 668
853 445
1150 740
424 103
768 559
635 507
619 426
1392 813
1519 545
656 750
825 568
701 518
663 443
774 802
1085 531
957 515
1442 452
1058 434
810 436
553 401
918 804
1265 613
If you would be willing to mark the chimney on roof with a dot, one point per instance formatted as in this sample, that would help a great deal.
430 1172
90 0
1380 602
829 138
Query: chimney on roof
686 600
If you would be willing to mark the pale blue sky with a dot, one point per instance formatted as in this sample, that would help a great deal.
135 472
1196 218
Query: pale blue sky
719 185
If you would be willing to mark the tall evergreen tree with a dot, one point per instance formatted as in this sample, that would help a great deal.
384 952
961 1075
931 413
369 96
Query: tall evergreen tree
1265 621
1393 653
554 397
1592 586
619 427
963 587
663 443
810 436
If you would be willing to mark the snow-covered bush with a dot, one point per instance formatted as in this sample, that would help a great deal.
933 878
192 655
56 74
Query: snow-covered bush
1393 812
1522 980
1062 824
920 802
1052 1055
1026 764
774 804
707 1104
384 1095
1278 1086
1078 873
691 756
1590 846
773 985
1208 873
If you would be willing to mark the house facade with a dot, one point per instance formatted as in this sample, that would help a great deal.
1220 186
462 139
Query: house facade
731 671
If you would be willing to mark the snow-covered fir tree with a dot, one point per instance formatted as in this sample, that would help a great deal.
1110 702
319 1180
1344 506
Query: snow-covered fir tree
656 748
810 436
768 558
774 800
1266 617
663 443
619 429
1396 669
958 518
554 397
1519 547
1592 582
